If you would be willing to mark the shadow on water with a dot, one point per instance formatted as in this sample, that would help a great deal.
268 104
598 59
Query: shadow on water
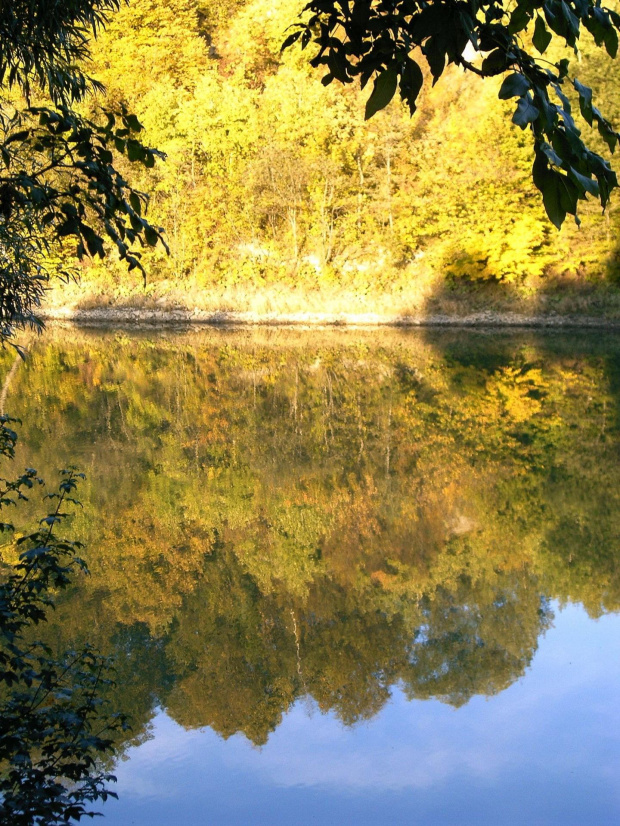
290 516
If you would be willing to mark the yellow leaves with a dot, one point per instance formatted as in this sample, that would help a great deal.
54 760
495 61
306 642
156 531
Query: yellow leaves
382 211
519 394
9 552
515 390
382 578
147 41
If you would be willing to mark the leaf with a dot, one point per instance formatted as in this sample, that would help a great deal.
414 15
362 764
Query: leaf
563 99
136 222
435 54
382 93
584 183
611 42
551 154
585 101
563 66
292 38
607 134
525 112
495 63
151 236
542 37
94 243
135 151
569 194
519 19
135 202
17 136
552 202
134 124
411 82
514 86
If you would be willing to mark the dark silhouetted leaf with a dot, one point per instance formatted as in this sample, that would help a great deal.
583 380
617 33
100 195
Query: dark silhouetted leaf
383 91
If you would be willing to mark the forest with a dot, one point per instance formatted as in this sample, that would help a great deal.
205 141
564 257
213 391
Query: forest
277 196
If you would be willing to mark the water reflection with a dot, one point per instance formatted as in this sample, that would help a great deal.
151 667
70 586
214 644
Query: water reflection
273 517
545 751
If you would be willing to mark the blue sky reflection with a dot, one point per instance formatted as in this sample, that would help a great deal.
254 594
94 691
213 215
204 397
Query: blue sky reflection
545 751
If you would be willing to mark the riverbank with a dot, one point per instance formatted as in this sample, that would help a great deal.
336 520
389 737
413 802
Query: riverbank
142 316
547 303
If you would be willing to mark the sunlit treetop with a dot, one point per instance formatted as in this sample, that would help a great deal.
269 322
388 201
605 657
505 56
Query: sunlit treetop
386 40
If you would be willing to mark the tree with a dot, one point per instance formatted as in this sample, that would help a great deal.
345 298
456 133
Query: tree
54 725
59 185
385 40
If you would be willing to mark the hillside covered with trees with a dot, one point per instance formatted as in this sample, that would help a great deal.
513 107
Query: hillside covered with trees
273 520
277 195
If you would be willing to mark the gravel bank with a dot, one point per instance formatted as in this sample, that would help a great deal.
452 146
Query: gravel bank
140 316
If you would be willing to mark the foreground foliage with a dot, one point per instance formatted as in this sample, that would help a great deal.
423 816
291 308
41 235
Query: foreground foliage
61 195
387 40
54 728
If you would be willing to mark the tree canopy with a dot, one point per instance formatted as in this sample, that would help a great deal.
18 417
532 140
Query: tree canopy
58 179
385 40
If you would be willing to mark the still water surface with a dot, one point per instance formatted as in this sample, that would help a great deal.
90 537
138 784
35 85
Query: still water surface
346 578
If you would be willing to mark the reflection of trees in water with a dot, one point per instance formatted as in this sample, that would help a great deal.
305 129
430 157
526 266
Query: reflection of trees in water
329 520
235 665
471 647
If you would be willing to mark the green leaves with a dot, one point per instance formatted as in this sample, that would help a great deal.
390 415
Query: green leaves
584 184
383 92
495 63
592 115
61 183
136 203
55 726
525 113
152 237
542 37
513 86
411 82
585 101
559 197
135 150
563 186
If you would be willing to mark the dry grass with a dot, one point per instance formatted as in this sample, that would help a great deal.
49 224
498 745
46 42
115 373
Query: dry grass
416 297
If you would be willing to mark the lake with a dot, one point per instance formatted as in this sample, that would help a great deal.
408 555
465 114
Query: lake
346 577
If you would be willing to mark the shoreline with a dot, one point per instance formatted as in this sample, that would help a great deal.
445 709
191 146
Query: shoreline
148 317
